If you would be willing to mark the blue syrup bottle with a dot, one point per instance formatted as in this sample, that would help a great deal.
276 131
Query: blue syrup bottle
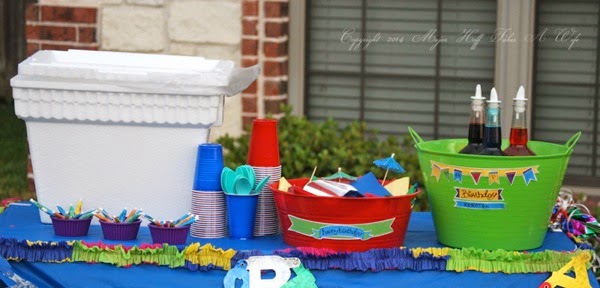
492 133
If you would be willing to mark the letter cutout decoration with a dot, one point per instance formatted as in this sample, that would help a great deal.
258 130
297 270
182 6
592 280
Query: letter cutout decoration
562 279
240 271
281 266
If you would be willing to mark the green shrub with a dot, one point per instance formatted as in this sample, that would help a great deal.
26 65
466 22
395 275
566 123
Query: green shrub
13 154
304 144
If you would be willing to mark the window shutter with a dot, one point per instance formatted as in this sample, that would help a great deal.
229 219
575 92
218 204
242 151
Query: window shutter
333 72
462 67
566 86
393 85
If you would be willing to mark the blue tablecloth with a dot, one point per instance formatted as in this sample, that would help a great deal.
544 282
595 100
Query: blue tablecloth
22 222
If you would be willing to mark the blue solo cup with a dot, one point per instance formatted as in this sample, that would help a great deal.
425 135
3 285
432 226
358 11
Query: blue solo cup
241 213
209 164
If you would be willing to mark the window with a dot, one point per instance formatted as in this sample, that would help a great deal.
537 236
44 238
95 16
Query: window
567 82
390 84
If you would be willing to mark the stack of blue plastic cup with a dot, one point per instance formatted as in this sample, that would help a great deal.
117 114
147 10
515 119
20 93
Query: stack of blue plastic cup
208 199
209 165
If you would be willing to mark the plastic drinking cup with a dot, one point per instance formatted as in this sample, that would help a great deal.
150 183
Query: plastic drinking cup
263 149
209 164
241 213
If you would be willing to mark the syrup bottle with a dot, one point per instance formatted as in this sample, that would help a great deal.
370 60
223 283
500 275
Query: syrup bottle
492 134
476 124
518 129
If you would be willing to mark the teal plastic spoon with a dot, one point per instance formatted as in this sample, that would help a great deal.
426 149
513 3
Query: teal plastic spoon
242 185
248 172
261 184
228 180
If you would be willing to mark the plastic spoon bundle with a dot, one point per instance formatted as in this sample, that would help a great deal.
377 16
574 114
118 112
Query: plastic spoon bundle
242 181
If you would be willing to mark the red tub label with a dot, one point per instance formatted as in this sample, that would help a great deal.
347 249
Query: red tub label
320 230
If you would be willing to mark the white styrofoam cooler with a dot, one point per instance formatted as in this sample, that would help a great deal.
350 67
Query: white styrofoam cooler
120 129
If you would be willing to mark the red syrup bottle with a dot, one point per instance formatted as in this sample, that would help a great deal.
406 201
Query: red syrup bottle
518 130
476 124
492 134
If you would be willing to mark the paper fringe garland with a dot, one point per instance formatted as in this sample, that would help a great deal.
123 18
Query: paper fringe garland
373 260
196 257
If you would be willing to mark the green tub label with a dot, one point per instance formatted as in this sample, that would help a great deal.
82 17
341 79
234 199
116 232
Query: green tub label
479 205
320 230
478 194
482 199
493 175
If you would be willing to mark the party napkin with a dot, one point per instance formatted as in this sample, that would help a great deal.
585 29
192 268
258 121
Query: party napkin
369 184
330 188
284 185
398 187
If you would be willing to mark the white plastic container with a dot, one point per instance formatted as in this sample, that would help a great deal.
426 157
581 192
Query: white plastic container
120 129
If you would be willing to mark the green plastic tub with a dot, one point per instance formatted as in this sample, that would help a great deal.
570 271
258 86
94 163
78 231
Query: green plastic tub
492 202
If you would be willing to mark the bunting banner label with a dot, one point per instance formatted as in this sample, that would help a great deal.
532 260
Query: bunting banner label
510 176
528 176
493 178
458 175
435 172
494 175
321 230
475 175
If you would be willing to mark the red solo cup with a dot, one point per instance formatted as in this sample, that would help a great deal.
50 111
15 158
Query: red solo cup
264 146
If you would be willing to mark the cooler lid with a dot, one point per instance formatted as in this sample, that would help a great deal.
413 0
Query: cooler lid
132 72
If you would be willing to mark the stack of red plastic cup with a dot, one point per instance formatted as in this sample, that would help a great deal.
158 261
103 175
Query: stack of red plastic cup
263 156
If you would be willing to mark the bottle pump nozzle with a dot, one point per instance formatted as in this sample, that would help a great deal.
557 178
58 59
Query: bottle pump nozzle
493 105
521 94
477 100
494 102
478 93
520 100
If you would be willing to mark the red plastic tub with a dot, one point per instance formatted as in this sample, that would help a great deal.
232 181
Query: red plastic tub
343 224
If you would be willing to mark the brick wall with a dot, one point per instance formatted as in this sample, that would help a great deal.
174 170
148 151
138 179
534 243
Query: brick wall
265 42
50 27
60 28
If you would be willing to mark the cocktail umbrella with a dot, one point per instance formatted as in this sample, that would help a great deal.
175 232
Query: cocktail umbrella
339 175
389 164
312 176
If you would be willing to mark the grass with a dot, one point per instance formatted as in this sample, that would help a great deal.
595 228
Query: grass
13 154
